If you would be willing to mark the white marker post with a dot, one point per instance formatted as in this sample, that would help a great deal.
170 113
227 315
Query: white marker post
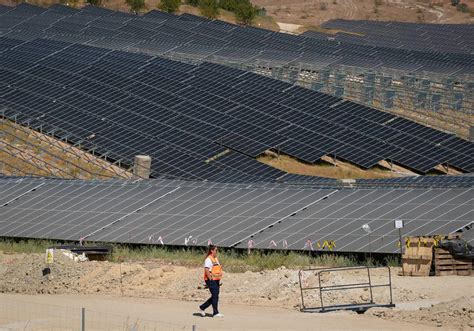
366 228
399 225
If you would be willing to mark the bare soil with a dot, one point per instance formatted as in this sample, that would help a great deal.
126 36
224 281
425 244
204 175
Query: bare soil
341 170
426 301
27 152
316 12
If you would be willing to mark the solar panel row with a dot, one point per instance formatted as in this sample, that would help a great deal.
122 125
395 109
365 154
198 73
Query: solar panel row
421 181
187 213
122 104
441 38
183 36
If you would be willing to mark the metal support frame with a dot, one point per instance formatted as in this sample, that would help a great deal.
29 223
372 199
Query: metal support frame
358 307
68 149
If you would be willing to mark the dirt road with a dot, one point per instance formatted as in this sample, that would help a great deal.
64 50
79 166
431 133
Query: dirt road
174 314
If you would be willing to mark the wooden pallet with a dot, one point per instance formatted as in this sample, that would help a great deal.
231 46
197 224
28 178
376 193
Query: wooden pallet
446 264
418 256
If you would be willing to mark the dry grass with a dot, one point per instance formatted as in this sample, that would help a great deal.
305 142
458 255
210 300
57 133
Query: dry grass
266 22
310 12
235 261
341 171
305 28
27 152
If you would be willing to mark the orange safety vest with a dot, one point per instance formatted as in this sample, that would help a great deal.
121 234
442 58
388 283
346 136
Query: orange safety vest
216 270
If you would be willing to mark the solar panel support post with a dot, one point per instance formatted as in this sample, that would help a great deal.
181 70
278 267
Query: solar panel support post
401 248
83 319
370 248
370 287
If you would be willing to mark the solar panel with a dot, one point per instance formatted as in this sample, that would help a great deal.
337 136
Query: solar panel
340 218
272 46
12 191
421 181
451 38
305 124
71 211
173 212
339 125
221 215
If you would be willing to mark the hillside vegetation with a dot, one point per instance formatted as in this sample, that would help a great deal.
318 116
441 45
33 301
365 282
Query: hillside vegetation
299 12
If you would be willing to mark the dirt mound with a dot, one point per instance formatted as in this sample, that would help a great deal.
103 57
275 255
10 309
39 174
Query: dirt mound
453 315
23 273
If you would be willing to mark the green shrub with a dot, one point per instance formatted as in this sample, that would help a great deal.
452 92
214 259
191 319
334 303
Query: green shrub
209 8
135 5
94 2
170 6
245 13
462 7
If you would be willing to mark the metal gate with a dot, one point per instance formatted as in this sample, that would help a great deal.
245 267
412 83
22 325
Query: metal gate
358 307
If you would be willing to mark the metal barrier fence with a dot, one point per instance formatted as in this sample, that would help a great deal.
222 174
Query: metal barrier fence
320 286
25 315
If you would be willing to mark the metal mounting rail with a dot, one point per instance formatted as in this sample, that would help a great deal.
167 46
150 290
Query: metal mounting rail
358 307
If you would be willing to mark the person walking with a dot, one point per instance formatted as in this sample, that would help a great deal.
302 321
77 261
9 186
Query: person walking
212 277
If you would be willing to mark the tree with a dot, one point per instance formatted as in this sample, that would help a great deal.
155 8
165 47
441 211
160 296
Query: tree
170 6
94 2
454 3
193 3
230 5
135 5
209 8
245 13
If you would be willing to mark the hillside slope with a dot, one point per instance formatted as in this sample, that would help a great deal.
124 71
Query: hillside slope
316 12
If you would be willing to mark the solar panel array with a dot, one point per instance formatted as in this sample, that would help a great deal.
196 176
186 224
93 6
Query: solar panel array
341 217
441 38
420 181
168 212
202 121
187 35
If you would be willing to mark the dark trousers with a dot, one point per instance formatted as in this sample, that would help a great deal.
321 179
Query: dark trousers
213 286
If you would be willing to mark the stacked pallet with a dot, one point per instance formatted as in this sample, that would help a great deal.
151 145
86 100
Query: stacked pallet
418 256
446 264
